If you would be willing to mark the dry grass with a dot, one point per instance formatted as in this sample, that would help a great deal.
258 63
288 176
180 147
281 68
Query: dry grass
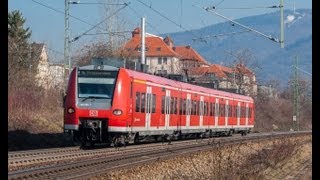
243 161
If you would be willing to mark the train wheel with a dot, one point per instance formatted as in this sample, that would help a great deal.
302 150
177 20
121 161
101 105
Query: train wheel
243 133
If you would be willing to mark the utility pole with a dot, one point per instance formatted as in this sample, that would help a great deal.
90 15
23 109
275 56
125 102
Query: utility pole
281 25
295 116
66 39
143 44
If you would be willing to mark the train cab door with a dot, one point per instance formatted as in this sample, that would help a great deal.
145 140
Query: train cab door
217 113
167 105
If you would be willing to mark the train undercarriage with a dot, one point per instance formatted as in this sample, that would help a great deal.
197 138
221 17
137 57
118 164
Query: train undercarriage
93 132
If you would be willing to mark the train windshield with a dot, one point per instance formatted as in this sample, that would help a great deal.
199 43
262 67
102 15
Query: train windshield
96 84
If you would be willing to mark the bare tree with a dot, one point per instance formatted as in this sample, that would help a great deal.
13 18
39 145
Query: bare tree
244 67
116 25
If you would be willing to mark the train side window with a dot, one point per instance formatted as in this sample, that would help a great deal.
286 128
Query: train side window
181 107
162 104
137 101
226 108
222 110
197 104
193 107
243 112
143 102
154 100
175 105
171 105
205 109
184 106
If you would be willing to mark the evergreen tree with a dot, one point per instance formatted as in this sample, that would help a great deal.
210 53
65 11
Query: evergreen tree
18 36
15 27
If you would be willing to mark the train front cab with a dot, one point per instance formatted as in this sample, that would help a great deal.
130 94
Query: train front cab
88 103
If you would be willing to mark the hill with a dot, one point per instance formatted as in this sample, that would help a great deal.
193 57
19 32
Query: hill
276 63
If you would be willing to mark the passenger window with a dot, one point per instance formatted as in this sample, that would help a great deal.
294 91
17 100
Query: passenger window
143 102
172 105
137 101
217 113
222 110
175 105
205 109
154 100
162 104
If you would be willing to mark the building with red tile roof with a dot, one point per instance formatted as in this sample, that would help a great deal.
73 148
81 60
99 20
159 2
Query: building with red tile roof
160 57
189 54
163 57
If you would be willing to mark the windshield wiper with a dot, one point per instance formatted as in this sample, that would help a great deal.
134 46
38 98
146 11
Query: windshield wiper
87 98
94 97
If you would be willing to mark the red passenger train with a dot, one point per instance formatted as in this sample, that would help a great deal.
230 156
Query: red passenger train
105 104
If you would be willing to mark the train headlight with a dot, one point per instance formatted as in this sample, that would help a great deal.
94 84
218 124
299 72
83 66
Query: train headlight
70 110
117 112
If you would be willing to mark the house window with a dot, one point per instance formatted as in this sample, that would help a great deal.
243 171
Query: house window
158 48
164 60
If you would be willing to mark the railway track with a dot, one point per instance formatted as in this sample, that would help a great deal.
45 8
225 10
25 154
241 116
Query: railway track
86 163
28 159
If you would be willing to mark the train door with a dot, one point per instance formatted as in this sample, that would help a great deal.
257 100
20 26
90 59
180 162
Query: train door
139 100
149 102
251 114
216 112
222 112
206 112
167 105
247 113
188 111
201 109
226 113
174 117
238 114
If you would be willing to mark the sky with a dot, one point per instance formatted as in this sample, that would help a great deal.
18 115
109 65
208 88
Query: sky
162 16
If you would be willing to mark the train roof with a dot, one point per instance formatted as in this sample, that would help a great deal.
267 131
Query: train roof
178 84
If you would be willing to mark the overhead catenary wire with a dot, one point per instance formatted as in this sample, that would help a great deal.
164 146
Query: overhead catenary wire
74 17
257 7
209 9
218 35
116 4
79 36
165 17
139 16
